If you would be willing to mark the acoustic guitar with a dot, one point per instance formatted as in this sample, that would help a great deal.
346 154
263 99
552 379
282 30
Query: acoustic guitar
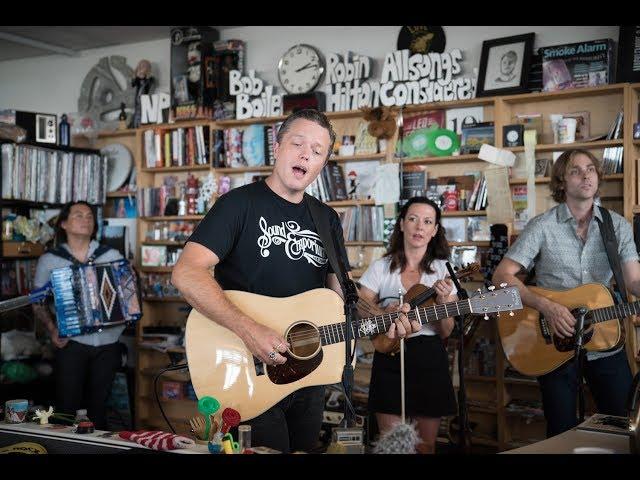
313 324
531 347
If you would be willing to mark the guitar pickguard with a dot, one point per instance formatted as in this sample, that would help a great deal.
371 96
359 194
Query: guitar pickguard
293 369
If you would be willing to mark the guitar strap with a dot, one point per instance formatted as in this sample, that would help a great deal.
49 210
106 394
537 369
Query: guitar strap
62 252
321 221
611 246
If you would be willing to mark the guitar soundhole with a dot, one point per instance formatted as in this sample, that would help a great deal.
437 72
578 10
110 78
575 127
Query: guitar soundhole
304 339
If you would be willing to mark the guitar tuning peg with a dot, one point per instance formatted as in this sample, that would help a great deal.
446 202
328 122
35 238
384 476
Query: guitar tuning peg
486 317
491 288
498 314
503 284
511 314
479 290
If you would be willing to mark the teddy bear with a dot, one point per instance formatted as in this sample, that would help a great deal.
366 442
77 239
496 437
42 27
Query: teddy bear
382 121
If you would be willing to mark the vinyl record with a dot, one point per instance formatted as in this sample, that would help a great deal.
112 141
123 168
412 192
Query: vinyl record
119 163
416 144
443 142
422 39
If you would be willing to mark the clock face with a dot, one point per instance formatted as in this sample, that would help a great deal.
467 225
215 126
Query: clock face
300 69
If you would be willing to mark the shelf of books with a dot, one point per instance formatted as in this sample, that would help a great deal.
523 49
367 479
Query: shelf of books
239 152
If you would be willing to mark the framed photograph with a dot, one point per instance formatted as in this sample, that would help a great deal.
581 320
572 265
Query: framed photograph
628 47
474 136
504 65
542 166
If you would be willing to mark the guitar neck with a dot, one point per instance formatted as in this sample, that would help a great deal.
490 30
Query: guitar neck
620 311
365 327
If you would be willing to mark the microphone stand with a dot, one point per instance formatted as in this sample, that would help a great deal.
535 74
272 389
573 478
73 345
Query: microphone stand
350 293
579 356
463 420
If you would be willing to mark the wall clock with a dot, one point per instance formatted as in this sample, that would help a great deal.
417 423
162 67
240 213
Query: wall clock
301 69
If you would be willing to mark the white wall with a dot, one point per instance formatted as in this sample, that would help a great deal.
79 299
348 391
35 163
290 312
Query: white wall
52 84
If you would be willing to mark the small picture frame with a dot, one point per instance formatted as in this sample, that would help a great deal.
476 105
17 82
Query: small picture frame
504 65
542 166
474 136
153 255
513 135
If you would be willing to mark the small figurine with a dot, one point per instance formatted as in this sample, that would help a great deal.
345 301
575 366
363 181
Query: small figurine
353 185
122 124
43 415
143 82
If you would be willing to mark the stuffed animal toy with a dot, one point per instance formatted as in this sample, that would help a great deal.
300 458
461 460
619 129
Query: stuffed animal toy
382 121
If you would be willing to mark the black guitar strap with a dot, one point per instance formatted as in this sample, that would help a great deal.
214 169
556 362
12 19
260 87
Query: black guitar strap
62 252
321 222
611 246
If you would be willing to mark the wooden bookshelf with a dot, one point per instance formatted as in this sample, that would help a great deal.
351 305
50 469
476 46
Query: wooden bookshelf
351 203
120 194
163 242
463 158
168 218
363 157
156 269
465 213
570 146
261 168
523 181
184 168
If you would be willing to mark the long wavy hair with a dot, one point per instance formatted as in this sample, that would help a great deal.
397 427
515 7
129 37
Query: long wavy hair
438 247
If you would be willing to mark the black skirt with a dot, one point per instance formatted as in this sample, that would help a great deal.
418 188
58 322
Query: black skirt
428 388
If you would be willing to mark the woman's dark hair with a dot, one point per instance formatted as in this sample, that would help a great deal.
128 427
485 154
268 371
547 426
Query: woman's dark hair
63 216
438 246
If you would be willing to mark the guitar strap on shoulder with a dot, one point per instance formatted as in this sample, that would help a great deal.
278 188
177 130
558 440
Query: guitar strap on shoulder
611 246
62 252
321 221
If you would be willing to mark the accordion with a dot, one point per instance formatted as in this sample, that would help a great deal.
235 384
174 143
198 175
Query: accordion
89 298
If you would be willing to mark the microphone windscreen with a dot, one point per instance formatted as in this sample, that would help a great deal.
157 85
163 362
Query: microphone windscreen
401 438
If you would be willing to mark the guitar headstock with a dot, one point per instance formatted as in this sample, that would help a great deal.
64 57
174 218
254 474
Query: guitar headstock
494 300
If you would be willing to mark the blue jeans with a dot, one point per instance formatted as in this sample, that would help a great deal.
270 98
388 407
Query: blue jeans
609 380
293 424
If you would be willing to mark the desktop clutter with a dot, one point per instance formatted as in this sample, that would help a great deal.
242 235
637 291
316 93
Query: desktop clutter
212 428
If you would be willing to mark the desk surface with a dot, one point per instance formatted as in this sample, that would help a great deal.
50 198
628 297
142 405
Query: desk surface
98 437
566 443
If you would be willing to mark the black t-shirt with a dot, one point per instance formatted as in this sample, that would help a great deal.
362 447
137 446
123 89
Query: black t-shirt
266 244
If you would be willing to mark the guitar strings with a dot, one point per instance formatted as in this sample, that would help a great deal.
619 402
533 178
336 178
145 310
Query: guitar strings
411 315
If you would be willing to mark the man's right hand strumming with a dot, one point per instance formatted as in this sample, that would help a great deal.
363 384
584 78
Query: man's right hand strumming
559 318
265 343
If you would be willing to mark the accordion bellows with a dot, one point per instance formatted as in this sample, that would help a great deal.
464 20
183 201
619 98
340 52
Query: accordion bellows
90 297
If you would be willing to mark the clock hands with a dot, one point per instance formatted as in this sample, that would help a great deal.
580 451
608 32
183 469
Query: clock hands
308 65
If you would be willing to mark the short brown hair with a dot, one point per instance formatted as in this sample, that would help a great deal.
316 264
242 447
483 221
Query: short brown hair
312 115
556 185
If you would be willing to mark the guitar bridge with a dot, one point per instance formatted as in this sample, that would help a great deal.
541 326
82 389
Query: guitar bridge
544 329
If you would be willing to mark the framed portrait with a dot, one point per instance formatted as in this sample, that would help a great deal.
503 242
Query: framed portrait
504 65
628 47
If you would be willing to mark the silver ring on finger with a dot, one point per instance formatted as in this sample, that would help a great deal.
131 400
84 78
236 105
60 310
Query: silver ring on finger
272 355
